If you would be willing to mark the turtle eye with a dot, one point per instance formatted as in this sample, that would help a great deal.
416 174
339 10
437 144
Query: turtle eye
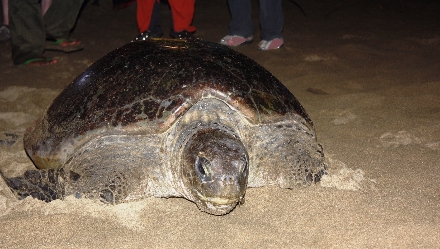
243 164
202 166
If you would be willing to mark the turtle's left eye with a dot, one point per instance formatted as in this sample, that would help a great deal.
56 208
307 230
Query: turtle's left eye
202 167
242 164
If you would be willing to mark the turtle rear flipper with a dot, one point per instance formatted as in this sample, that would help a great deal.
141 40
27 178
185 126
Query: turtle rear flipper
46 185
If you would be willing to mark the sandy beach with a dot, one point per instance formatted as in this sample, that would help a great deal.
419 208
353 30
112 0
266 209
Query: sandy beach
367 73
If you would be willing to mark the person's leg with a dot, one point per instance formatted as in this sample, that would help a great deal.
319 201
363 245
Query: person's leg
27 30
61 17
271 19
5 12
144 11
4 29
45 4
183 14
148 19
241 18
241 28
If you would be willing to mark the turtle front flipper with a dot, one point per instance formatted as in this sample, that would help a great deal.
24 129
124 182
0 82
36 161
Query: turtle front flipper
46 185
285 154
51 184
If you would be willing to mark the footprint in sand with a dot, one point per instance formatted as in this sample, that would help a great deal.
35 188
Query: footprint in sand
356 37
315 57
400 138
8 139
344 118
341 177
433 146
434 42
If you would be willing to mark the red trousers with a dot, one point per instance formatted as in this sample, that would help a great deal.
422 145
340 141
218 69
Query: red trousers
182 11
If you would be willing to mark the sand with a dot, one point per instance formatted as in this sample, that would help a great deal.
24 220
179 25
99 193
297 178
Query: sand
368 74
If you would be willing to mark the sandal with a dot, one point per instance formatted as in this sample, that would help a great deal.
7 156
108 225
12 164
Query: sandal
146 36
40 61
235 40
272 44
66 45
182 35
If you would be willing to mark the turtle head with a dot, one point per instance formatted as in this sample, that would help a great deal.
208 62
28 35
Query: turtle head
215 170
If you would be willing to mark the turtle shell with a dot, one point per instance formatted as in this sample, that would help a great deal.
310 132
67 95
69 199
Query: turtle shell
145 86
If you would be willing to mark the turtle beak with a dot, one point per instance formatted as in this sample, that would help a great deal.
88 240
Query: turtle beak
221 195
216 205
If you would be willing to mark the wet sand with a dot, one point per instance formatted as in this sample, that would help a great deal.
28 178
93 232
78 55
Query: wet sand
368 74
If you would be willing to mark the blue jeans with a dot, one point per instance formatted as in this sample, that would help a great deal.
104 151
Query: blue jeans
271 18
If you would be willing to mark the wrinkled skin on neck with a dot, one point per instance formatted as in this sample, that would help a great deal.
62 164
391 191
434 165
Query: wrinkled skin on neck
215 170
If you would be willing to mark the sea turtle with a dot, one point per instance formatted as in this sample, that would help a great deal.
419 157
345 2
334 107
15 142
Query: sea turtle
171 118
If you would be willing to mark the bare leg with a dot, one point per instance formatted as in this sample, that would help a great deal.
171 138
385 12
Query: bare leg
5 12
4 29
45 4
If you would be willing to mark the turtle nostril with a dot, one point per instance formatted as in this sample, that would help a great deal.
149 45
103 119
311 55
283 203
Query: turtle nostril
228 180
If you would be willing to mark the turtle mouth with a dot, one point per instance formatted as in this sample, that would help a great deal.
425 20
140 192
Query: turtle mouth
217 200
216 205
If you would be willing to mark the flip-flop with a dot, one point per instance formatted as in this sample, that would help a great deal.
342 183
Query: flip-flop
66 45
40 61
